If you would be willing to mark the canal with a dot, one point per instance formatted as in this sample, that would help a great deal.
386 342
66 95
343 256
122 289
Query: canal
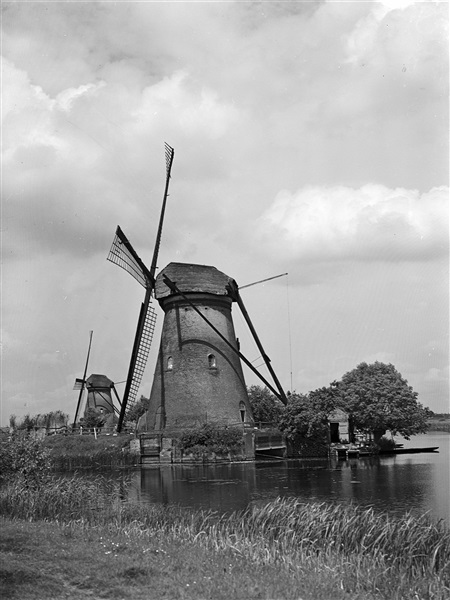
409 482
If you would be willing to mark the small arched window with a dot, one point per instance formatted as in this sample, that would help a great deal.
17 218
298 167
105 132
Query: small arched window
169 363
212 361
243 411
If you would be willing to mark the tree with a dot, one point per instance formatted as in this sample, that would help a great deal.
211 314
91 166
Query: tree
93 418
137 410
27 423
377 399
266 408
307 415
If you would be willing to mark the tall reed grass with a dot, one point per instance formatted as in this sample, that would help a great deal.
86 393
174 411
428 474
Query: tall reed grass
97 460
377 550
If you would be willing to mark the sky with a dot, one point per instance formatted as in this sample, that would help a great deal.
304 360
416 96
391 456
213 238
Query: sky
311 138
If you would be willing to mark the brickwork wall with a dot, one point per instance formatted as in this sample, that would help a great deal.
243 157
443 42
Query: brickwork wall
198 378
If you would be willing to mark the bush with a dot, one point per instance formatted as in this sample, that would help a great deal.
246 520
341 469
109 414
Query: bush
211 438
385 443
26 457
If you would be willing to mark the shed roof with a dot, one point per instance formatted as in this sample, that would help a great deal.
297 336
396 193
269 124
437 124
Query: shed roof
192 278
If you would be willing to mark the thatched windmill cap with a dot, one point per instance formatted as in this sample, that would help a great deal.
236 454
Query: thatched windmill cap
192 278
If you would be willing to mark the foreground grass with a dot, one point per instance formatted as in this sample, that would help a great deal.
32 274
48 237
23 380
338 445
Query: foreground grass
94 545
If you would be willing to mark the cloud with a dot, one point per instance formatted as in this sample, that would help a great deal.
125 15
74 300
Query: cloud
71 162
309 137
435 374
371 223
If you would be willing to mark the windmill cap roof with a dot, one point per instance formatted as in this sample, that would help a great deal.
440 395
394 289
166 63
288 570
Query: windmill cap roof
99 381
192 278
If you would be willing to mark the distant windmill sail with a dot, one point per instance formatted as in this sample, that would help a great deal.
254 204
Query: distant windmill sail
81 383
78 385
123 254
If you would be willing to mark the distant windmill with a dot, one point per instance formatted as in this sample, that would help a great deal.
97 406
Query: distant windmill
99 388
123 254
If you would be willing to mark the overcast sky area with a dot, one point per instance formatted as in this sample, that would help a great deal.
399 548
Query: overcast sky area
310 138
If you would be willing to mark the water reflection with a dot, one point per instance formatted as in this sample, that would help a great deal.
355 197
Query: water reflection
415 482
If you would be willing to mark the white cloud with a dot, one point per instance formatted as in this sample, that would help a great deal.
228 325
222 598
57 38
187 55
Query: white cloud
316 99
196 109
369 223
435 374
65 99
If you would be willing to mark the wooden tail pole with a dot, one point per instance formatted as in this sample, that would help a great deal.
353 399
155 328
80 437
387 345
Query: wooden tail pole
236 296
262 281
91 333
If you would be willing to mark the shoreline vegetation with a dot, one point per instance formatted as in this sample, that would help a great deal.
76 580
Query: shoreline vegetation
66 537
74 451
439 424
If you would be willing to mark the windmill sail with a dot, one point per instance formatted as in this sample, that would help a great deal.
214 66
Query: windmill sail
123 254
80 384
169 152
139 356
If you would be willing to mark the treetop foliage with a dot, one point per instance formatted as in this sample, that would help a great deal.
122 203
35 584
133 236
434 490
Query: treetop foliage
137 410
375 396
54 419
266 407
306 415
378 398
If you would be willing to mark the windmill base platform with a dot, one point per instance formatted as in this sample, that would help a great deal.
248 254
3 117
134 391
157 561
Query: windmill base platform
161 449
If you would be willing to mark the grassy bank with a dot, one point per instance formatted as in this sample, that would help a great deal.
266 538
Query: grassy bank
93 545
85 451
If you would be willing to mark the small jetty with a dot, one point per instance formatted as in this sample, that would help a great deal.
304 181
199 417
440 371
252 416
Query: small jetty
345 451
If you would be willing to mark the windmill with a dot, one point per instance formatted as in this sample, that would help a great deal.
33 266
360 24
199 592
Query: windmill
198 375
123 254
98 388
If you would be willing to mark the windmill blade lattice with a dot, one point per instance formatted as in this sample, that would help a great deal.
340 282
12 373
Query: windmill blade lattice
148 315
122 254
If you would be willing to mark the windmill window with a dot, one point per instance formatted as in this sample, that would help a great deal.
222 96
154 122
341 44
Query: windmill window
243 411
169 363
212 361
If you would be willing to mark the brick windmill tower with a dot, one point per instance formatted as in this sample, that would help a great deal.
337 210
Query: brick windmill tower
198 376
